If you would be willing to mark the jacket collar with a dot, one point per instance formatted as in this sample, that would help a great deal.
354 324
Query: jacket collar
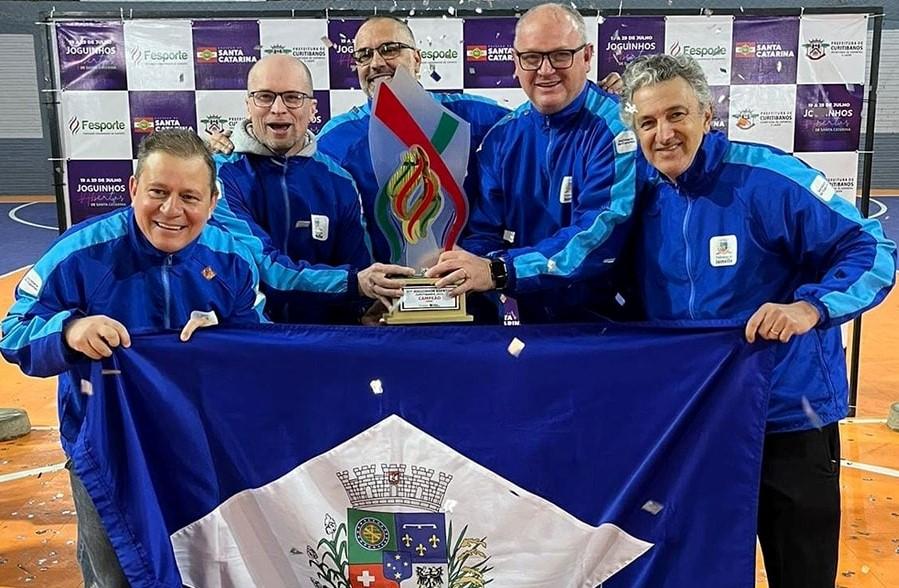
567 114
145 249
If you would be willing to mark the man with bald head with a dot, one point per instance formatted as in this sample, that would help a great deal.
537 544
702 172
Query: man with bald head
294 207
557 182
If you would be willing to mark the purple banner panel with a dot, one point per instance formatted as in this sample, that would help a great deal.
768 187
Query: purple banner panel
340 55
91 56
489 58
97 186
720 108
155 111
224 52
623 39
322 111
764 50
828 117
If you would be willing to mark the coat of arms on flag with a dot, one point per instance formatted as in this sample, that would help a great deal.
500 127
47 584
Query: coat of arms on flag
420 157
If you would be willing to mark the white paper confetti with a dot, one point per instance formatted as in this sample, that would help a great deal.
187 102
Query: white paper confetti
515 347
550 265
619 299
630 108
376 387
653 507
86 388
451 10
327 42
509 236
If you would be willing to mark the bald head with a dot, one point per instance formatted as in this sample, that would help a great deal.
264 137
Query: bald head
285 68
560 14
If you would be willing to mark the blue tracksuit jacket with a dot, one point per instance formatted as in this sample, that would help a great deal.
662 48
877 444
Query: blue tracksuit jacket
300 217
747 224
555 192
106 266
345 138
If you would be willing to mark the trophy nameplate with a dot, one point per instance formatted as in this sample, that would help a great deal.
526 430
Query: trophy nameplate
422 302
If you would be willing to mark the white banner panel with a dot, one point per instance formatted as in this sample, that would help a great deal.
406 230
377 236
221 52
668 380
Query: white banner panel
832 49
219 110
96 125
511 98
839 167
707 39
344 100
303 40
763 114
159 55
442 54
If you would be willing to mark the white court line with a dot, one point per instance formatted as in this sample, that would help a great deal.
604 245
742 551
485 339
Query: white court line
15 271
12 215
883 208
870 468
855 421
44 428
33 472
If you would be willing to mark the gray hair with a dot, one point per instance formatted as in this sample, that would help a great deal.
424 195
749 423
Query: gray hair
576 19
180 143
400 23
650 70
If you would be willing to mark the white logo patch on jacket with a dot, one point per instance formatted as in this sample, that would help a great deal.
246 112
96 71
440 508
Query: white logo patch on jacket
625 142
31 283
723 250
565 190
822 188
320 227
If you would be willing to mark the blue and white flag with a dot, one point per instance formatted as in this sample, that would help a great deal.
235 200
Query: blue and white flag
348 457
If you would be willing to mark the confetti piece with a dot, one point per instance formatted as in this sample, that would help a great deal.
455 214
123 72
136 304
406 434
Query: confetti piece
866 569
515 347
451 10
478 10
471 70
412 12
707 11
509 236
630 108
435 76
87 388
551 265
653 507
327 42
376 387
619 299
780 65
721 98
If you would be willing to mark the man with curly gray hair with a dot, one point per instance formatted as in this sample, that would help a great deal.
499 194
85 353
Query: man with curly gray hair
746 232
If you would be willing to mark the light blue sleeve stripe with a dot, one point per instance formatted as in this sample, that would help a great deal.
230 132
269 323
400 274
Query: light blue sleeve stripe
272 273
623 193
16 339
863 291
110 228
333 166
219 241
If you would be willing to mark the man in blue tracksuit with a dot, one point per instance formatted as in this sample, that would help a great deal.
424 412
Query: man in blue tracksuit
157 265
295 208
743 231
383 44
557 181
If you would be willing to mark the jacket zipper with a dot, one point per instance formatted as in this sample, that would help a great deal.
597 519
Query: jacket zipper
687 256
166 288
287 215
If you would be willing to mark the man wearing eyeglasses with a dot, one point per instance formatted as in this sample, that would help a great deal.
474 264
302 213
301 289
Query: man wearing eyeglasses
557 183
382 45
294 207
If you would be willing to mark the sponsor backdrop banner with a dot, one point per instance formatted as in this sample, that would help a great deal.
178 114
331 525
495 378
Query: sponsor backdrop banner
510 473
792 82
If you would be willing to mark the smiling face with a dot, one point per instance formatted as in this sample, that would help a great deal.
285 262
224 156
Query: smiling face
281 129
375 33
172 200
544 30
670 124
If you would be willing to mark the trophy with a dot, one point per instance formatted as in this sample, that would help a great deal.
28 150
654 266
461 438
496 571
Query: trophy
420 158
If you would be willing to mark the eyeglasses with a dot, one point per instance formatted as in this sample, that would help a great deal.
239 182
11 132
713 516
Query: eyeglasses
558 59
389 50
265 98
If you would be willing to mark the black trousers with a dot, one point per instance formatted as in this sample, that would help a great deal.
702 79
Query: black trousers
799 508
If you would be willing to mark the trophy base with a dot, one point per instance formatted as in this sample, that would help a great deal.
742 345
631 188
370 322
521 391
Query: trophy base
422 303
